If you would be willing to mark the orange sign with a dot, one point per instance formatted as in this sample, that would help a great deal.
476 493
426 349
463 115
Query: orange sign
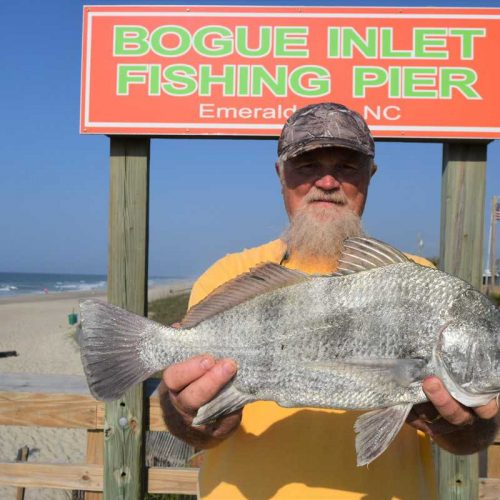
196 70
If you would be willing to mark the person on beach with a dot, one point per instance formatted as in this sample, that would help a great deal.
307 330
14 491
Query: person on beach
325 165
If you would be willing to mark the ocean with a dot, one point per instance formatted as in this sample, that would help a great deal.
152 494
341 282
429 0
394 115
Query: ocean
12 284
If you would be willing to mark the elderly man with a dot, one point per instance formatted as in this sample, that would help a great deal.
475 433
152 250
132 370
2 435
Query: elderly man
325 165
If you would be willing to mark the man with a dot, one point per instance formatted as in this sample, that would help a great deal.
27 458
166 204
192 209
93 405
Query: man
325 165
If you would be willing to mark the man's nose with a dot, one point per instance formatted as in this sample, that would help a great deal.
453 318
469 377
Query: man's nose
327 181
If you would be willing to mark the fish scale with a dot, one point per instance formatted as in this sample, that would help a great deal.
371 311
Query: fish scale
362 338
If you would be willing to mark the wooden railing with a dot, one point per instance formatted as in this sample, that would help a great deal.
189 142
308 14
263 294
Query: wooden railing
55 401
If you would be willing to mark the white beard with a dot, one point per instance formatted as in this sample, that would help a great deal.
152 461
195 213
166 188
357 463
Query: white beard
319 231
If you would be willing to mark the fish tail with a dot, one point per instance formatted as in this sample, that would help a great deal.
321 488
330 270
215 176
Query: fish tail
112 348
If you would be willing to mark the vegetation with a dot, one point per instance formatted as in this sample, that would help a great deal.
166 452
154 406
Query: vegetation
170 309
495 298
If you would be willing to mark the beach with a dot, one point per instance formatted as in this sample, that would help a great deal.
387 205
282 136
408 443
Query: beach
36 326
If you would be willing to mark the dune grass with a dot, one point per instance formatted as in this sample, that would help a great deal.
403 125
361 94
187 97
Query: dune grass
169 309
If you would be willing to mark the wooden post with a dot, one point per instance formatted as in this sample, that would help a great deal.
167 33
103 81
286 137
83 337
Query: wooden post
124 476
462 221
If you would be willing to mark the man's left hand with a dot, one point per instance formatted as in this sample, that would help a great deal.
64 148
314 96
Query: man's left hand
453 426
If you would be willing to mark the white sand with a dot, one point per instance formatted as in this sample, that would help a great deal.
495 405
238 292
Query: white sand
37 328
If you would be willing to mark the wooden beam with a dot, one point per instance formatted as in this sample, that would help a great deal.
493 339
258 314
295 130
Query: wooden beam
489 489
173 480
65 410
58 476
89 477
461 254
49 410
124 472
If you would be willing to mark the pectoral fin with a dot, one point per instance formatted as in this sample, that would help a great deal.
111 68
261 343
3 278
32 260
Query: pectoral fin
228 400
377 429
402 371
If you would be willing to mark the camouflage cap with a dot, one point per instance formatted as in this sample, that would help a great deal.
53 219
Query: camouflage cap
323 125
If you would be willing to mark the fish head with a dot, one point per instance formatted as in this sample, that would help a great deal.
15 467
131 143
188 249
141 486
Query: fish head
469 345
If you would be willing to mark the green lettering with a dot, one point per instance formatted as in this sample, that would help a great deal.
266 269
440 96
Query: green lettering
286 38
414 77
386 46
466 36
264 47
318 84
221 45
243 80
181 34
367 46
154 79
333 42
368 77
423 43
180 80
207 80
395 82
460 79
127 74
130 41
276 84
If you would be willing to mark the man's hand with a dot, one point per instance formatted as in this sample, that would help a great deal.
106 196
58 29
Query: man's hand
454 427
189 385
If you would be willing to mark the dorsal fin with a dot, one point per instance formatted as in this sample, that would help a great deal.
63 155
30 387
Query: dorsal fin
362 254
259 280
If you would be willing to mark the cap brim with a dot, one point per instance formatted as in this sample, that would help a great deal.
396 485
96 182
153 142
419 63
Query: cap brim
323 143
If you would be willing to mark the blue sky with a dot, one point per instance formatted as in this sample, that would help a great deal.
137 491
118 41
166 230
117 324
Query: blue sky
208 197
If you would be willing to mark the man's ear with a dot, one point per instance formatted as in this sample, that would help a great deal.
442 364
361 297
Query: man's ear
373 169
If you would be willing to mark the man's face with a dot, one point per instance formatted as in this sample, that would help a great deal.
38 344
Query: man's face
326 180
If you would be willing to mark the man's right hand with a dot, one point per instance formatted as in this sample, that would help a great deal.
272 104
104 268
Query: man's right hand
189 385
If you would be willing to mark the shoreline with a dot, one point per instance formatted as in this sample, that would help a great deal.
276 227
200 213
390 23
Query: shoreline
155 292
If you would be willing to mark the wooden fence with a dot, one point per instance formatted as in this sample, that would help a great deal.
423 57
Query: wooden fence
54 401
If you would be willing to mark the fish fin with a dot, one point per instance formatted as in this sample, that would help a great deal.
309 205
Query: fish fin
109 347
257 281
402 371
363 254
377 429
228 400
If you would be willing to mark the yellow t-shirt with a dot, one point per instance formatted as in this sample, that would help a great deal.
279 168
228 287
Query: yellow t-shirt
305 453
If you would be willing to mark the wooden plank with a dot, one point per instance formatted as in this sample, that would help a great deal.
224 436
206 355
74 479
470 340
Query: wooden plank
95 455
489 489
48 410
156 421
462 221
64 410
173 480
493 466
58 476
127 287
89 477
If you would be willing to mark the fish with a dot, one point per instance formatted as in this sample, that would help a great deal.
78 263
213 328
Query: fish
361 338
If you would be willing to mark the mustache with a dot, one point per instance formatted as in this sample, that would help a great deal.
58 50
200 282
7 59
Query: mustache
337 197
